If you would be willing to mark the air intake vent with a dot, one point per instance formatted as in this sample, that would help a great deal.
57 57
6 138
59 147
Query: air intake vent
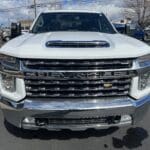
77 44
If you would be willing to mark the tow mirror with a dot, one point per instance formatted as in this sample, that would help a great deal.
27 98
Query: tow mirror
15 30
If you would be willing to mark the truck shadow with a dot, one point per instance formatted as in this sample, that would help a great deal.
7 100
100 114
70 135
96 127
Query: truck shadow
133 138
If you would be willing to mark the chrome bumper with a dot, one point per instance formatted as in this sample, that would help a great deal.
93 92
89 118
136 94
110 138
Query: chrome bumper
17 113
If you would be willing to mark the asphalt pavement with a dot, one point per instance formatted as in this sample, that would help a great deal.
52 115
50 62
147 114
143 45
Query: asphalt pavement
134 137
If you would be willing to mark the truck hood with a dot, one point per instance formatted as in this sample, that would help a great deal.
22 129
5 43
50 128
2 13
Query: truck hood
34 46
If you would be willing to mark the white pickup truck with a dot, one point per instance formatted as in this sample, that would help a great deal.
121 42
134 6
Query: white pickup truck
73 70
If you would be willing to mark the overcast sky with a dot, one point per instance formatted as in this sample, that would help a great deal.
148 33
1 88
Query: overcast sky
111 8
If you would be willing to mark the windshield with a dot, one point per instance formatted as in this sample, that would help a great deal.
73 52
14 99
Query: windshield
87 22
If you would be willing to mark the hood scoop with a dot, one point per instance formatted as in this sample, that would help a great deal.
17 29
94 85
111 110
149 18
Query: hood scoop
77 44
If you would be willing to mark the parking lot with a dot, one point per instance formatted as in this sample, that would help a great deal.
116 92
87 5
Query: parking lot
135 137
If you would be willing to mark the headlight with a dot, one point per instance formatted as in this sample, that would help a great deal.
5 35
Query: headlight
141 84
144 78
12 88
11 85
9 62
144 61
144 81
8 83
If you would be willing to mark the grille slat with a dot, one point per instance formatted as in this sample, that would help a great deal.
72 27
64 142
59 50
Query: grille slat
76 82
76 95
74 89
84 63
77 64
88 120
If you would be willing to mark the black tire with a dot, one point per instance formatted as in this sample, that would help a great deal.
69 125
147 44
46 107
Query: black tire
7 39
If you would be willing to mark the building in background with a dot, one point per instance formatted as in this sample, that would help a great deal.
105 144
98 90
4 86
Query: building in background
25 25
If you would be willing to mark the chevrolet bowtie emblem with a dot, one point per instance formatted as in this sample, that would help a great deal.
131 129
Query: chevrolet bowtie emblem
107 85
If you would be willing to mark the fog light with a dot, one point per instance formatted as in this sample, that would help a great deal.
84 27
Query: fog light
8 83
125 118
29 120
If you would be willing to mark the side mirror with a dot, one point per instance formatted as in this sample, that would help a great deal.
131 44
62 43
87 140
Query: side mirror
15 30
120 28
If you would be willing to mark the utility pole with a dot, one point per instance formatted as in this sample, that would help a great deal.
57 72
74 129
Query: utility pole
35 9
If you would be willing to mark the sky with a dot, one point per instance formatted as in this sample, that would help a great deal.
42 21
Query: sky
109 7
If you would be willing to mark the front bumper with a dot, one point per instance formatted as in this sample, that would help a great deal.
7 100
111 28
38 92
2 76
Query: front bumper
23 114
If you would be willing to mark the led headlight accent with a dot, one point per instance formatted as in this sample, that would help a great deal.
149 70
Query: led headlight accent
9 62
12 88
144 61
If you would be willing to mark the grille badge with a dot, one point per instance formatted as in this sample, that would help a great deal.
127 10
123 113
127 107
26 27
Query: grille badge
107 85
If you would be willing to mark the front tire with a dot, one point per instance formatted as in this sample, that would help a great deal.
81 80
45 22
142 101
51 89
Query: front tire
7 39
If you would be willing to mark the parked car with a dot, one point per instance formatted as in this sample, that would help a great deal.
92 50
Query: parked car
147 33
121 27
6 35
0 37
74 71
137 32
132 30
1 34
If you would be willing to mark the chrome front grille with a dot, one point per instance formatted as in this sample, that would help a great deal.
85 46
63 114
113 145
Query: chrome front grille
48 79
77 64
77 88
